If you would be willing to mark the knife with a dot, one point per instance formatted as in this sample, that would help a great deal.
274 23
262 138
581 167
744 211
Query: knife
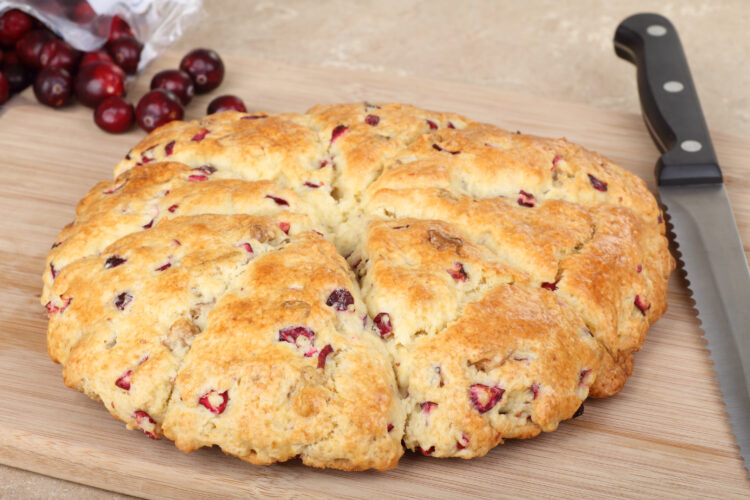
692 191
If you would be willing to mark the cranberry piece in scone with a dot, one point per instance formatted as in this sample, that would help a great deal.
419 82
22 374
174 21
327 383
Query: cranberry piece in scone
484 397
215 402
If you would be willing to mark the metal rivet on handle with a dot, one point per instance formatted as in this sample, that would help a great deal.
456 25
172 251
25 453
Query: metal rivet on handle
656 30
673 86
691 146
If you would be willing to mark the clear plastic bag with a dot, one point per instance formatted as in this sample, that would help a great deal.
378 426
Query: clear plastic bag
155 23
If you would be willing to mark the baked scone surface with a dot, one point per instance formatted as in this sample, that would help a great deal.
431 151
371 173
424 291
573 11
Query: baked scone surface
339 284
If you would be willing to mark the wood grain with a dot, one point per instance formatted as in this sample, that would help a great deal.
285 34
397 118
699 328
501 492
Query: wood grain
665 435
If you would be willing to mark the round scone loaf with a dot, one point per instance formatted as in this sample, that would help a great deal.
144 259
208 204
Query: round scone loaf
339 284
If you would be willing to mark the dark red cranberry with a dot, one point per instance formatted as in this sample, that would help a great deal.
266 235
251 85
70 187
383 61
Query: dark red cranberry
484 398
164 267
372 120
323 355
95 56
226 103
427 406
431 124
312 185
200 135
526 199
205 68
293 335
124 381
149 225
340 299
52 270
277 200
176 81
157 108
114 115
458 273
126 52
215 406
582 376
19 77
169 148
58 8
463 442
2 57
550 286
13 25
383 323
97 81
172 208
29 47
122 300
4 89
82 13
10 57
119 28
390 427
450 125
578 412
53 87
114 261
437 147
642 304
58 54
597 184
338 132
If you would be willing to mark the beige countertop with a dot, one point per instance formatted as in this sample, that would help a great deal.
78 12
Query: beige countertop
560 49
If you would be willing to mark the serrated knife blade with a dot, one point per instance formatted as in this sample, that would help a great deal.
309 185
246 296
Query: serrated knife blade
692 191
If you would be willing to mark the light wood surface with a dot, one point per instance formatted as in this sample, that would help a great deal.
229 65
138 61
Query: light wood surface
665 435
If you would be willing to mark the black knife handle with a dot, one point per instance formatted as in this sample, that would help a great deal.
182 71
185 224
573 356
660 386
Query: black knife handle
668 100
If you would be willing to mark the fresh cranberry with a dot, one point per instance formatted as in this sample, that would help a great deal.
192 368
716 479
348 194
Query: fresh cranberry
95 56
205 68
372 120
323 355
597 184
124 381
226 103
13 25
458 273
122 300
146 424
427 406
338 132
114 261
211 401
340 299
526 199
484 398
19 77
119 28
4 89
29 47
383 323
176 81
295 334
97 81
157 108
10 57
58 54
642 303
82 13
114 115
126 52
53 87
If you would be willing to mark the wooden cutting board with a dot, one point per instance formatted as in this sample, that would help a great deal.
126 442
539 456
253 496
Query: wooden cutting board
665 435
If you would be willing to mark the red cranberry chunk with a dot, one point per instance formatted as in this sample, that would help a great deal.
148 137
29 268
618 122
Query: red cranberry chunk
550 286
323 355
642 304
53 87
450 125
146 424
526 199
390 427
458 273
535 390
126 52
124 381
169 148
312 185
597 184
279 201
114 115
197 178
199 136
338 132
299 336
114 261
248 248
639 268
226 103
428 406
176 81
215 402
426 452
432 124
578 412
122 300
14 24
52 270
340 299
372 120
383 323
149 225
484 397
463 442
582 376
164 267
284 226
205 67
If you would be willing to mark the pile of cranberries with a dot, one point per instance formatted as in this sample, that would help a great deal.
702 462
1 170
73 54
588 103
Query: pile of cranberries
31 54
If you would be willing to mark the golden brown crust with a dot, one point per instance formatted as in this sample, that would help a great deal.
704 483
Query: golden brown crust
494 281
